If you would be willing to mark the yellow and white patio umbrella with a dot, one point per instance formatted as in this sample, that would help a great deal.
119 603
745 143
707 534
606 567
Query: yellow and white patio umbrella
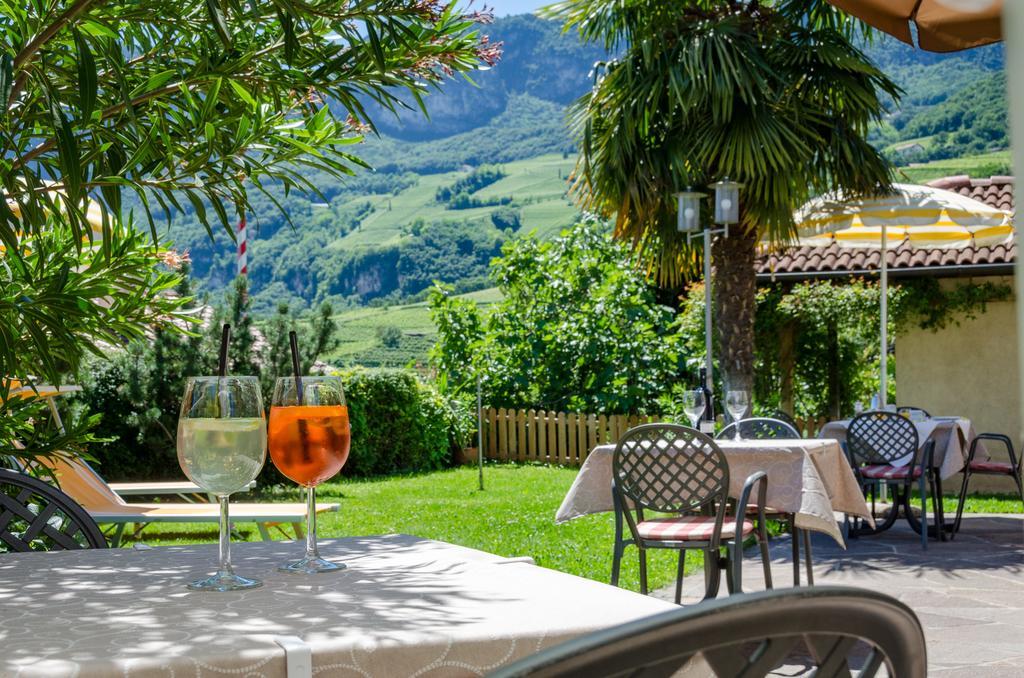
919 216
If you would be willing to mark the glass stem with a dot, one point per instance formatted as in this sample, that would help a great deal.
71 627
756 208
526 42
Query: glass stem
311 551
225 538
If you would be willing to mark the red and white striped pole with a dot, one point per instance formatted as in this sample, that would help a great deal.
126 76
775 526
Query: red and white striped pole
242 267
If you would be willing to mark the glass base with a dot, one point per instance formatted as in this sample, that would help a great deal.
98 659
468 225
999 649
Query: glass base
312 566
224 582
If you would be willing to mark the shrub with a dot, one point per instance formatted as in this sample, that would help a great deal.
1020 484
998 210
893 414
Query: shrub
400 424
389 335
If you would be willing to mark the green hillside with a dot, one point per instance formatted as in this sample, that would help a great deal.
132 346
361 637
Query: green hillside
361 344
383 236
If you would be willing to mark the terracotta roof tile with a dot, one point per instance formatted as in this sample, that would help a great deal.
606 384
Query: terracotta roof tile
996 191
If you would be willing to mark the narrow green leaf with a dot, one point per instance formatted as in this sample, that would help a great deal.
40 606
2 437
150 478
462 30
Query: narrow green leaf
219 23
87 78
6 80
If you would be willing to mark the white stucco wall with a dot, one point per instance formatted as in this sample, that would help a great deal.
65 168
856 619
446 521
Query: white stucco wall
969 369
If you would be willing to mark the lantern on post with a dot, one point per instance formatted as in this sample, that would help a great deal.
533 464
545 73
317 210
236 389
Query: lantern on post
688 215
727 202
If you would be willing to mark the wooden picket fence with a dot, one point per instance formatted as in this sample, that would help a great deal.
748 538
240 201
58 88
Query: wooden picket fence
563 438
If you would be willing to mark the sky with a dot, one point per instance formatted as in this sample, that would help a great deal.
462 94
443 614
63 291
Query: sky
503 7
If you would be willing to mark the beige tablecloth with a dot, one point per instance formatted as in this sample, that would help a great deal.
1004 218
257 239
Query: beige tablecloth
952 438
810 478
406 606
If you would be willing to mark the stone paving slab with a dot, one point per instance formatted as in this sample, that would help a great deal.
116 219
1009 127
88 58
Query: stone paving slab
968 593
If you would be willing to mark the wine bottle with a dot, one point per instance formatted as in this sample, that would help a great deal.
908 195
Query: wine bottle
707 422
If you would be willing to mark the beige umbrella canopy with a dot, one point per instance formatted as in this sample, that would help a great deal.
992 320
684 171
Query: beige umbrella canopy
921 216
942 25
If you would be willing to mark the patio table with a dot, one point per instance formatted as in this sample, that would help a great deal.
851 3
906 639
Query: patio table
809 478
405 606
952 436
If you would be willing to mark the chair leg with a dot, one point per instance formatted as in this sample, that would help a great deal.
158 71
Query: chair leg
922 488
807 557
940 514
963 499
643 571
264 532
300 532
616 563
766 559
712 574
736 565
1020 486
794 532
679 576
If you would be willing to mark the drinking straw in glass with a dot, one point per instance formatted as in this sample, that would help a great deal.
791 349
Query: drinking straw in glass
222 445
309 438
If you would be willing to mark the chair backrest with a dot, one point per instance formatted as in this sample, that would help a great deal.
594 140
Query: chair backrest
759 428
880 437
83 484
781 415
670 468
35 516
834 629
904 409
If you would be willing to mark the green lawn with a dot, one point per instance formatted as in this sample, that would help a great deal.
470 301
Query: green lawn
513 516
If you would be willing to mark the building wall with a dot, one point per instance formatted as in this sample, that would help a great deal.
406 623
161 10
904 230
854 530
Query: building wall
969 369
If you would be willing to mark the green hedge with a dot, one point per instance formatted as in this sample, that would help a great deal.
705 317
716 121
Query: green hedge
399 424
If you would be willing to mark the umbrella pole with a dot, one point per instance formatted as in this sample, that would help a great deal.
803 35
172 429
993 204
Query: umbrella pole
884 356
1013 25
708 362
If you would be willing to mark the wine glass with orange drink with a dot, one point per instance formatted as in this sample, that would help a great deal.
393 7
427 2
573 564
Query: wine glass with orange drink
308 438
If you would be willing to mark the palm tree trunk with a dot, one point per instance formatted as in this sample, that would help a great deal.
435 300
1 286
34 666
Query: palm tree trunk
735 287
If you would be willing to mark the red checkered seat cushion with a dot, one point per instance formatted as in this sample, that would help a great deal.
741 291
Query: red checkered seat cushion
887 472
689 528
991 467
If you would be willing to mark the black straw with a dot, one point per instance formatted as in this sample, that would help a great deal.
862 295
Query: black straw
225 337
293 339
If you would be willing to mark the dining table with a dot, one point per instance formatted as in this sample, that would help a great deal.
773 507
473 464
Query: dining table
404 606
952 437
809 478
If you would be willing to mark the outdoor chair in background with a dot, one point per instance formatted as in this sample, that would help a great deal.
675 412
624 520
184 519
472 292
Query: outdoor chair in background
989 468
763 428
87 488
829 632
667 468
883 448
35 516
759 428
781 415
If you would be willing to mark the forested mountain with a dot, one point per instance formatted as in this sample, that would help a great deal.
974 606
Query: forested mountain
385 234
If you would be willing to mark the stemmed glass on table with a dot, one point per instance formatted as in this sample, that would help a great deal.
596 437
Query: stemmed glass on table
737 402
222 445
309 443
693 405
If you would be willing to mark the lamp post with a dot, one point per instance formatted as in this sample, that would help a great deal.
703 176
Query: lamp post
727 210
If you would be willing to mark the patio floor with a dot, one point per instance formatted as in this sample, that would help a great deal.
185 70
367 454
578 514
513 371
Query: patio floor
968 593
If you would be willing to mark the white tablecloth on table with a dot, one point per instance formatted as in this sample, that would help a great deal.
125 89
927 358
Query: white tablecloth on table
405 606
952 438
810 478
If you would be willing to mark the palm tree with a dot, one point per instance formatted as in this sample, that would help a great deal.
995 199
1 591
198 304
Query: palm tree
772 94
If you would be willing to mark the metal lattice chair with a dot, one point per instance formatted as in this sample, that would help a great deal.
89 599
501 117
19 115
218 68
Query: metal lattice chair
827 632
763 428
782 415
35 516
666 468
1012 468
883 448
759 428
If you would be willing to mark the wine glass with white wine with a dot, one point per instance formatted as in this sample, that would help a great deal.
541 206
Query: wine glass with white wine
222 444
